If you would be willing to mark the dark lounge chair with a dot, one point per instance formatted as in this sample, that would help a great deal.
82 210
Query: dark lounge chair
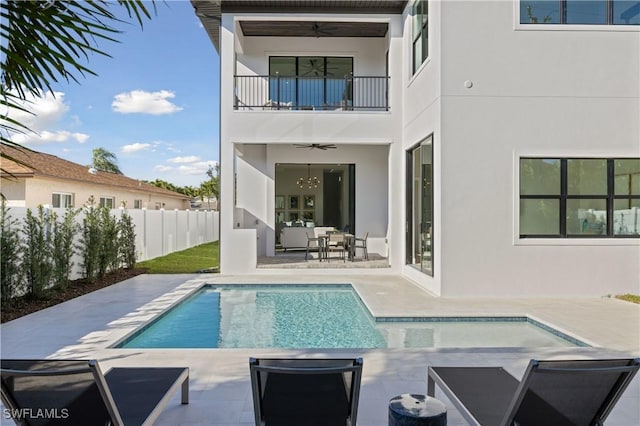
75 392
309 392
555 393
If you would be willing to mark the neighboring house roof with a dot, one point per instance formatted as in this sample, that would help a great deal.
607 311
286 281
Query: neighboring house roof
39 164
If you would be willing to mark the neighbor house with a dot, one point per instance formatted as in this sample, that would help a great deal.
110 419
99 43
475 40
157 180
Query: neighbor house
42 179
489 148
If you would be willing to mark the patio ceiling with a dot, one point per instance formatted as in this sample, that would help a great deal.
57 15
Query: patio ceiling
313 29
210 11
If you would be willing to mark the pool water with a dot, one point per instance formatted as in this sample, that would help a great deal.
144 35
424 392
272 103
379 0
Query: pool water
278 316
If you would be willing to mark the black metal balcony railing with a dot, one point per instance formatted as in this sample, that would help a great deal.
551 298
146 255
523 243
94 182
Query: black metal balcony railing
275 92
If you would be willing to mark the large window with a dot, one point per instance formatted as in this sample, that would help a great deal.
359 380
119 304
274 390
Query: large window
579 197
328 201
420 33
420 206
585 12
310 82
62 199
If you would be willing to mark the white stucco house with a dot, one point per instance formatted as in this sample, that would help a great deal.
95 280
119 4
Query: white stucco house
30 179
489 148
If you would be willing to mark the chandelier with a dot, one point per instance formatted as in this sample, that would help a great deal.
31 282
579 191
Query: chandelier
308 182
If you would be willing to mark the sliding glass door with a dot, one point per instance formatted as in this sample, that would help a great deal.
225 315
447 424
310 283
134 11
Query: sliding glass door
314 195
315 82
420 206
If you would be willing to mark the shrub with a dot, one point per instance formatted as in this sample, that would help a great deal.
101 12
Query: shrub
63 250
108 255
90 240
36 252
106 243
10 271
127 240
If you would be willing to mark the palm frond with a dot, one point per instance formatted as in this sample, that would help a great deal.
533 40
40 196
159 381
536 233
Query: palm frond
12 102
46 41
35 33
137 8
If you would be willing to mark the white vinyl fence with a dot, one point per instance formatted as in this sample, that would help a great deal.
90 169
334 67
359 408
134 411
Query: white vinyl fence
158 232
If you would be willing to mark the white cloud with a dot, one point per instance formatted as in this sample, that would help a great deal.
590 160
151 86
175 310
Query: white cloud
191 170
168 146
139 101
162 168
197 168
80 137
46 136
182 160
135 147
186 166
47 110
207 164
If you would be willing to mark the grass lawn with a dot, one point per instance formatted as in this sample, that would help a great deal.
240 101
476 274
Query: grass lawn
195 259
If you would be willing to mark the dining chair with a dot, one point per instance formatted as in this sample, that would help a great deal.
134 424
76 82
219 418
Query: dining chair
336 243
361 243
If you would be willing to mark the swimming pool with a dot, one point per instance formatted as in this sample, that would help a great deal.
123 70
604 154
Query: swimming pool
327 316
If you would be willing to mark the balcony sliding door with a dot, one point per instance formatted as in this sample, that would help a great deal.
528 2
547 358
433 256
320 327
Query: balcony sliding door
310 82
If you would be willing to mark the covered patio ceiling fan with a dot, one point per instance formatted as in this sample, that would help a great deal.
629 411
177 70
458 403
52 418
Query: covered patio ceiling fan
321 146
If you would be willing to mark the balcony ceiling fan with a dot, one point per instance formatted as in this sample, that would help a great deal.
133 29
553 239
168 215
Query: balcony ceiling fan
321 146
322 29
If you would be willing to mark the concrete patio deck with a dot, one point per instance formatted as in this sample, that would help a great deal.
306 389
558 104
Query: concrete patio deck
219 378
295 259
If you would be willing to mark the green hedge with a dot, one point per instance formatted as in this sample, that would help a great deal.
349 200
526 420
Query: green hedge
37 253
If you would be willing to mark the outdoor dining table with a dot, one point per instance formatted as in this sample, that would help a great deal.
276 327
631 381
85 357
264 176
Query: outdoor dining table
323 246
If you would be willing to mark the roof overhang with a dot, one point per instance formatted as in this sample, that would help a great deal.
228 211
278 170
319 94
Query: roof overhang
313 6
210 12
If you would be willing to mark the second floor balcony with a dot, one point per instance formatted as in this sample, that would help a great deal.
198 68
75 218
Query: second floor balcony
311 93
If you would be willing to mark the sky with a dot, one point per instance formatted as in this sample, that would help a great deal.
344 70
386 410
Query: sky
154 103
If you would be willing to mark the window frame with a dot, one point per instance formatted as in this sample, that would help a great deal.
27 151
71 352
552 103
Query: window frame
421 36
60 195
564 197
562 19
414 207
103 203
137 204
298 78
